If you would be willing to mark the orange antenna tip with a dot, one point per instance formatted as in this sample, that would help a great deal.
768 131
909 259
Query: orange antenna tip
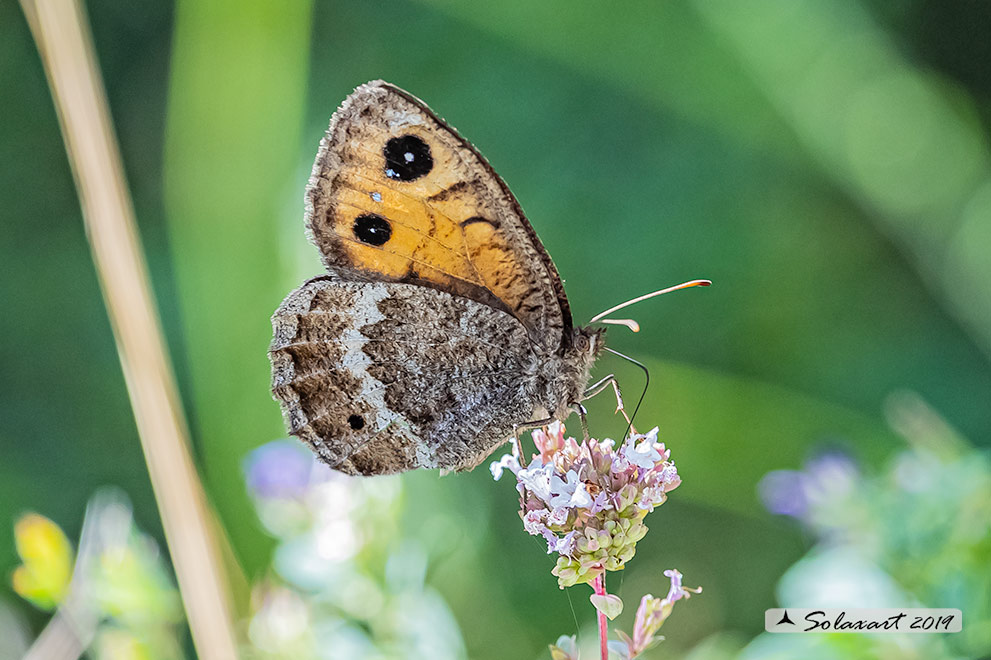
684 285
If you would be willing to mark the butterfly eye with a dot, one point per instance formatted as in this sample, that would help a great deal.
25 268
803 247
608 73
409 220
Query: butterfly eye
581 343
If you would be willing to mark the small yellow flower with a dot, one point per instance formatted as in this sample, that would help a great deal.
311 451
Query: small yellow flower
43 578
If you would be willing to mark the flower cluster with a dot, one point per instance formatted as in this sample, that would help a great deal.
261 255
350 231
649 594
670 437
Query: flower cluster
588 499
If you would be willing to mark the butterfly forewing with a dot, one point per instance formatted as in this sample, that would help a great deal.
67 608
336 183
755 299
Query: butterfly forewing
396 195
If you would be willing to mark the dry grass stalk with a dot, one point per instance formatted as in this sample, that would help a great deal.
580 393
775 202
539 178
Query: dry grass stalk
61 32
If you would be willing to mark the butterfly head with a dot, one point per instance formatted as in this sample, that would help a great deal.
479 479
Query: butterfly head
564 376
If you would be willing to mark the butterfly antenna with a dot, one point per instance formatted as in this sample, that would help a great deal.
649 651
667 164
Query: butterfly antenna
646 384
630 323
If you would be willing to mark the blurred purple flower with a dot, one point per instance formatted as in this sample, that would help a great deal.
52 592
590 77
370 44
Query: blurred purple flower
278 469
827 476
832 472
783 492
677 590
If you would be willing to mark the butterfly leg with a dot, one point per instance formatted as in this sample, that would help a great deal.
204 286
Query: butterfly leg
518 429
583 416
600 387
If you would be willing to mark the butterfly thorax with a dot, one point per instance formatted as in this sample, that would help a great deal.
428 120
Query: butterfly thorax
564 376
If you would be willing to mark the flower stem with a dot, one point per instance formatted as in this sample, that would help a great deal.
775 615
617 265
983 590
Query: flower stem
599 585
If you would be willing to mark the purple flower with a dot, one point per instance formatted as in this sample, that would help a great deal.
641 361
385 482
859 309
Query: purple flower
829 476
677 590
558 516
537 478
645 454
568 492
507 462
832 474
652 614
533 521
783 492
565 545
588 499
278 469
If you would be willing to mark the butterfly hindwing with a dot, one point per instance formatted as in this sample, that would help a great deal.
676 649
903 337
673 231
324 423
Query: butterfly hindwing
442 324
382 377
397 195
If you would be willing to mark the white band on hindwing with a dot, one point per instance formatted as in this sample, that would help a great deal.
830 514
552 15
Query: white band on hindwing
365 311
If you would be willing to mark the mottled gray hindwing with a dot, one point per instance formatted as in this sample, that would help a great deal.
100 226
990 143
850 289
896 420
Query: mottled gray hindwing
384 377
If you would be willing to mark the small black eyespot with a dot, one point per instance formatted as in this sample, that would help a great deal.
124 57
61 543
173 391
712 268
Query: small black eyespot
357 422
407 158
372 229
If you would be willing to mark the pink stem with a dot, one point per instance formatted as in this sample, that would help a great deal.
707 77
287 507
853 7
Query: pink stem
599 585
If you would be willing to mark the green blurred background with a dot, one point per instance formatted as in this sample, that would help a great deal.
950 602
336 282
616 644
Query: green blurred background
825 164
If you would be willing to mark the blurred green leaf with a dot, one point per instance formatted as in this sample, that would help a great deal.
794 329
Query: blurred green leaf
663 54
236 105
905 143
725 432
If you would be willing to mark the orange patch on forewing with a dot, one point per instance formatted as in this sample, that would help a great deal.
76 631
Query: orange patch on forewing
492 256
387 155
422 240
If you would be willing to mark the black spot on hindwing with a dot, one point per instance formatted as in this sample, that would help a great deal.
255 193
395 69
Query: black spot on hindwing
356 422
407 158
372 229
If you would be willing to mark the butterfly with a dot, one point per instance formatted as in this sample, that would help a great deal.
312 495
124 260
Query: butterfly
441 327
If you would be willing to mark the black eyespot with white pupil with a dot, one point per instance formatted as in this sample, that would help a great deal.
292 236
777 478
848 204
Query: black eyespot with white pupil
372 229
407 158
